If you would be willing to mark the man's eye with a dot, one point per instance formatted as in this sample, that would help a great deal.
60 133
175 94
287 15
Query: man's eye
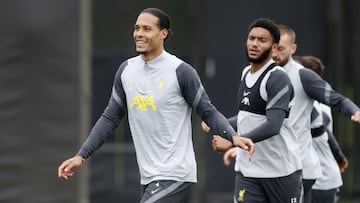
263 40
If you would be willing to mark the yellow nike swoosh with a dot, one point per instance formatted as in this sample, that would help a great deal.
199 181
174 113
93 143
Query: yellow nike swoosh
154 191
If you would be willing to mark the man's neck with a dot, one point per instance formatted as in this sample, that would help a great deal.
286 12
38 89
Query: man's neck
152 55
257 66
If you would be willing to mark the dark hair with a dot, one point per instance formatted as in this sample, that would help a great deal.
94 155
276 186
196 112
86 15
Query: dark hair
311 62
164 19
268 25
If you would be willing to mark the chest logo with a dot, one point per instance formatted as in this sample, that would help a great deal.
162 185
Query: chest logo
246 100
143 102
245 93
161 85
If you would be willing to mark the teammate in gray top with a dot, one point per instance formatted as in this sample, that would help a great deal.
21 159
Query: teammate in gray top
308 87
264 96
158 92
332 160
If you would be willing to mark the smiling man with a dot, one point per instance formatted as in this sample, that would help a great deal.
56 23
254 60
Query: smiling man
158 92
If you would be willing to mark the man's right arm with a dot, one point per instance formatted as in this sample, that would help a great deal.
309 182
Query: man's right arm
103 128
109 120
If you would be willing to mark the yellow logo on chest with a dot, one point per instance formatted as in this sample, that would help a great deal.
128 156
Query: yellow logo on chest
143 102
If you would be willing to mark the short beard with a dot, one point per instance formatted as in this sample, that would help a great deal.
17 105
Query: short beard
283 63
142 52
261 58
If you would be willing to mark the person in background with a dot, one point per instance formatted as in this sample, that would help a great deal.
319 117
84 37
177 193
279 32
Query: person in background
264 96
308 86
158 91
332 160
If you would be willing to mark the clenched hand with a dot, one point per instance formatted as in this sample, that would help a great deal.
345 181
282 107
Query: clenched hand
221 144
68 167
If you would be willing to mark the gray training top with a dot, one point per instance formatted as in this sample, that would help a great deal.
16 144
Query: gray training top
309 86
264 102
158 96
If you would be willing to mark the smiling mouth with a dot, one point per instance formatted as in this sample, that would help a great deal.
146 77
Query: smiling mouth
140 42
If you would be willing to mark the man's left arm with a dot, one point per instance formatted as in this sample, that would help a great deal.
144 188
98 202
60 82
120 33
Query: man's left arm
318 89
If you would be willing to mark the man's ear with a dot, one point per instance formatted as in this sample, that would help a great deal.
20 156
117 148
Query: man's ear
293 48
275 46
164 33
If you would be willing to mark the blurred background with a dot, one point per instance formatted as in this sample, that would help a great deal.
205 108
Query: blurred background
58 60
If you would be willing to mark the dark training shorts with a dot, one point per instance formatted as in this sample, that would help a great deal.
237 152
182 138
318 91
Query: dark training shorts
307 185
287 189
325 196
166 191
